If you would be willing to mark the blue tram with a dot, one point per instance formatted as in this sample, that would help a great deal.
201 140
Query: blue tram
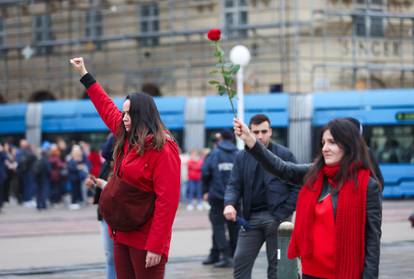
388 120
387 117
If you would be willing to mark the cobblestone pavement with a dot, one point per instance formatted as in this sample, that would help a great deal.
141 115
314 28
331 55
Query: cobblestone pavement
190 244
396 262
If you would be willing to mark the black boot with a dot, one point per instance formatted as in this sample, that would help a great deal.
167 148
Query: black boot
211 259
224 262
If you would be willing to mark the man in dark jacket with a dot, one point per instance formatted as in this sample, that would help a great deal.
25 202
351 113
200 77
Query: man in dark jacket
216 172
266 202
3 173
41 172
25 160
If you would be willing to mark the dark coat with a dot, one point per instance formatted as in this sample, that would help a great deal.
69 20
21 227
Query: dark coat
3 172
281 198
41 171
217 169
77 175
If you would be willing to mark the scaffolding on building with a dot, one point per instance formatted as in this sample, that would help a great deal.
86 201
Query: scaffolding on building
297 46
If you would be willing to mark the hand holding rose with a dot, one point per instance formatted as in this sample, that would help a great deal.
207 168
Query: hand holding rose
243 132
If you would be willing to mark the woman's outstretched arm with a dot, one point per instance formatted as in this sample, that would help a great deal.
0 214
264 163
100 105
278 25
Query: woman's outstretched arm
286 171
106 108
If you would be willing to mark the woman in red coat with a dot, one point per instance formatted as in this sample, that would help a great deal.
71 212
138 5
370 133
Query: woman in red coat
150 161
337 231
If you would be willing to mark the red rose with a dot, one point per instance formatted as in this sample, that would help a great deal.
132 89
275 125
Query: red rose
214 34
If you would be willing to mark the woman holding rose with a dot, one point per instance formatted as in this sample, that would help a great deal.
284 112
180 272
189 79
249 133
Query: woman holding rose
338 213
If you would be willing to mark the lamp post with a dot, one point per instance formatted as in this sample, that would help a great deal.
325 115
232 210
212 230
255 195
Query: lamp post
240 55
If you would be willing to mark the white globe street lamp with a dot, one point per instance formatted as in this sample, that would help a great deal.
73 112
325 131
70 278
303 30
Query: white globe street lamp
240 55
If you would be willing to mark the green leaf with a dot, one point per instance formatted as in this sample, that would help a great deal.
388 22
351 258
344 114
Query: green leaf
232 93
221 89
218 53
213 82
234 69
219 65
213 72
227 75
228 80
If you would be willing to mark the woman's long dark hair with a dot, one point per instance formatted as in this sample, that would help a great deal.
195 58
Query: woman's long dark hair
145 120
356 154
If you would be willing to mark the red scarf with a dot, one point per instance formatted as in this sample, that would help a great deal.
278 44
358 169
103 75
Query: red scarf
349 222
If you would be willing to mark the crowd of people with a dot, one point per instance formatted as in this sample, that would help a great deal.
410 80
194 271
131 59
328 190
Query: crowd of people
45 176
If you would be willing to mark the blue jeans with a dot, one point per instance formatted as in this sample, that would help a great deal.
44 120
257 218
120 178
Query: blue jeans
28 187
42 193
108 245
194 190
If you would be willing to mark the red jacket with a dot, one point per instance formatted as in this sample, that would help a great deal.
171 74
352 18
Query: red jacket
194 169
157 171
95 159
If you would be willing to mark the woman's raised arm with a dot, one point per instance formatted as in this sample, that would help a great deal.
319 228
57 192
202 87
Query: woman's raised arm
106 108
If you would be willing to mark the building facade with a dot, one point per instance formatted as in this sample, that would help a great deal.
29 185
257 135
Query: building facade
161 46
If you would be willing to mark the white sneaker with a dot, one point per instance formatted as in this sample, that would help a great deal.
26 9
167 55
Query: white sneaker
199 207
206 205
74 206
29 204
190 207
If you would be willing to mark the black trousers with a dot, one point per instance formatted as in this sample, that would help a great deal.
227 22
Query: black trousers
220 243
263 229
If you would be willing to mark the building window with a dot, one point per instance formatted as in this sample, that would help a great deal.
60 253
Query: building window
2 33
372 26
42 32
236 16
93 26
149 24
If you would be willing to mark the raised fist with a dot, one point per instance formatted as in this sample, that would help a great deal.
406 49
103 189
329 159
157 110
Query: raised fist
78 65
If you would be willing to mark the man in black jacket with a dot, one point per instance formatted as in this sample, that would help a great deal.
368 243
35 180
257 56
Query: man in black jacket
266 202
216 173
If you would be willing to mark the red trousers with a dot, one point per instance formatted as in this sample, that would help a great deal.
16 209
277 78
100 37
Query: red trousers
130 264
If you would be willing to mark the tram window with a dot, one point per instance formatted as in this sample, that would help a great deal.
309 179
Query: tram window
316 131
391 144
279 135
211 137
178 136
